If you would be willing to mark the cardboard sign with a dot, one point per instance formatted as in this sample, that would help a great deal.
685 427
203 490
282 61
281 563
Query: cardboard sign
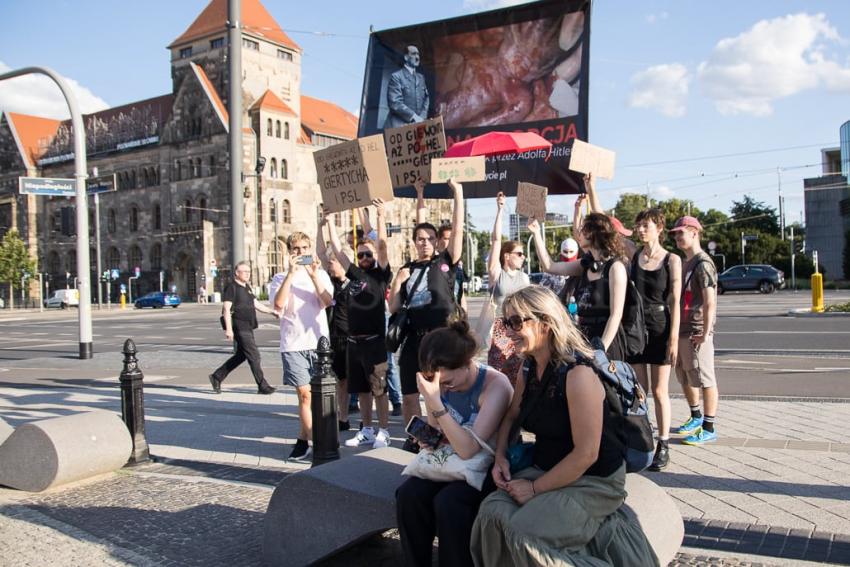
531 201
353 173
462 169
586 158
410 149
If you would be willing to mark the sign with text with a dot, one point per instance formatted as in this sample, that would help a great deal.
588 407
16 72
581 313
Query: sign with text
411 148
47 186
531 201
101 184
353 173
462 169
586 158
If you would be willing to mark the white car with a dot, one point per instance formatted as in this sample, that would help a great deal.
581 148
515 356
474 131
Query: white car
63 298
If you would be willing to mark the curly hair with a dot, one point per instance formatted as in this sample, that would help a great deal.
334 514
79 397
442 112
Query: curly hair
599 231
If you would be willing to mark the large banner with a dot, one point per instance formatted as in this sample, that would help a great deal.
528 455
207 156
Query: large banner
523 69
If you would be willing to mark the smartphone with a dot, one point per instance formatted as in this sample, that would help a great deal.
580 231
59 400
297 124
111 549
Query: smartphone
305 260
419 429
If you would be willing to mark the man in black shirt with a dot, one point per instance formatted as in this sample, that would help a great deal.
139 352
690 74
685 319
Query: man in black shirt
240 320
367 354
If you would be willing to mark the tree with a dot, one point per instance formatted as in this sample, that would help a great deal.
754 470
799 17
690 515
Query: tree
628 206
753 215
15 262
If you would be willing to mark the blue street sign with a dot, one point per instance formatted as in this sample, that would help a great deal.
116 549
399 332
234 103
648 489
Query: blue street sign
114 274
123 288
101 184
47 186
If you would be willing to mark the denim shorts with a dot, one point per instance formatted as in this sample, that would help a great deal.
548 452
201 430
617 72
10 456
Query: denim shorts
298 367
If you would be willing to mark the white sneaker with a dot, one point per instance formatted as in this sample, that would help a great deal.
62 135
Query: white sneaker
382 439
364 437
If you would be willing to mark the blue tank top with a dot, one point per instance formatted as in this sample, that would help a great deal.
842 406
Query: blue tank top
463 406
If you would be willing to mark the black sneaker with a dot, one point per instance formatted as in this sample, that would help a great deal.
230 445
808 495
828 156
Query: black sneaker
396 410
662 457
215 383
266 389
344 425
301 451
410 445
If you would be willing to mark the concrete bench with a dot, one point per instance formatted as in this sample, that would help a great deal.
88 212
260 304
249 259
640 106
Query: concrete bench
316 513
5 430
43 454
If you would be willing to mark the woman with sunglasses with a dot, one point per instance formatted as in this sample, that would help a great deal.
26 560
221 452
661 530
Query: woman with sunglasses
601 292
466 401
550 512
506 276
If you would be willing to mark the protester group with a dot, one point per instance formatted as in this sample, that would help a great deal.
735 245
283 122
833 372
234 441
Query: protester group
644 305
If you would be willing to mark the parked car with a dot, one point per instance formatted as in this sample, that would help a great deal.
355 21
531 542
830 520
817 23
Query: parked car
485 282
158 299
761 277
63 298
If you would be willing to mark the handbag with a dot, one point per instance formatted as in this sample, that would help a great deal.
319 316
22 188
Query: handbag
397 325
443 464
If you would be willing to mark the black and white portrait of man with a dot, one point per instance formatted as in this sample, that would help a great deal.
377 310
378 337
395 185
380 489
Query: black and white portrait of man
407 94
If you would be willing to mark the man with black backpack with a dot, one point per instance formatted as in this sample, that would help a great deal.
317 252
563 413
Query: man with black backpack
695 363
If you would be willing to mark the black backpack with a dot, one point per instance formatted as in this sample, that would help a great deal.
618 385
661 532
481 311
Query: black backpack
633 322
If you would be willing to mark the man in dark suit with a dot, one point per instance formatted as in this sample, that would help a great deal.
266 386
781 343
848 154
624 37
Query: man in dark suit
407 94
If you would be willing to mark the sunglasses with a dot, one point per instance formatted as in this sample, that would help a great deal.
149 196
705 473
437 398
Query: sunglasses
520 254
366 254
515 322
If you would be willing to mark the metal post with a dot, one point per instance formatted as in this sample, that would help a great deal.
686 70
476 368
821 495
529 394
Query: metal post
97 249
793 268
781 204
83 264
743 249
323 407
237 205
133 404
40 293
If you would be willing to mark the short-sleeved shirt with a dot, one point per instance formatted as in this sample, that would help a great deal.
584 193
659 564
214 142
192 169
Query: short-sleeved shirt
432 302
506 284
338 311
244 316
367 294
698 274
303 320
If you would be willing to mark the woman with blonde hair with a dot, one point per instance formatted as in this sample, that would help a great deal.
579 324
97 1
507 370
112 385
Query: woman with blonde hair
576 480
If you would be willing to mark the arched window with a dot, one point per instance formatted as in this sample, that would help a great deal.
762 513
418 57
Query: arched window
272 211
269 127
133 179
178 170
154 176
53 265
284 169
72 262
157 216
277 129
286 131
110 221
212 165
273 168
113 258
285 212
275 257
134 218
187 210
202 205
135 257
197 168
156 257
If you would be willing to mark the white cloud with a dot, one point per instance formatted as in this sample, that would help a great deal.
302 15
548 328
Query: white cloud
663 88
652 18
483 5
38 95
774 59
661 192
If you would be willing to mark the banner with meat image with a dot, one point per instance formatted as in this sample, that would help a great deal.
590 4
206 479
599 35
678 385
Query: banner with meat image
522 68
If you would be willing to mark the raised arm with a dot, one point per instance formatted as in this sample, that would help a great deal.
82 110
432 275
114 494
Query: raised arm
421 209
617 281
381 245
546 264
363 215
321 247
590 186
456 243
494 264
336 246
578 214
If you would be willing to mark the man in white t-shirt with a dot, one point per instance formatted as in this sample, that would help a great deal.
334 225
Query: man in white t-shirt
300 295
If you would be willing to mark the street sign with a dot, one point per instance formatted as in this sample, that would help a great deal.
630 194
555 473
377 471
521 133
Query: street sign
114 274
47 186
750 237
101 184
123 288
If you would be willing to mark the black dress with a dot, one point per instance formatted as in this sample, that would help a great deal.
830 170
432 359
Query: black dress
593 302
654 288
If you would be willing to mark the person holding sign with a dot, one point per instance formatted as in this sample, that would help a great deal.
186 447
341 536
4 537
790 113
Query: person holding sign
624 233
506 276
426 287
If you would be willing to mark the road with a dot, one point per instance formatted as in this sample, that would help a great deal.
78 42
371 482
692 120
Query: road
761 351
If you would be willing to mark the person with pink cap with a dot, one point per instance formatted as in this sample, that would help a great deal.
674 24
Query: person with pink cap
695 361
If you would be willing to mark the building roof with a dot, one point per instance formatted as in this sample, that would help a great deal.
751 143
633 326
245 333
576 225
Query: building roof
209 89
270 101
323 117
255 20
28 131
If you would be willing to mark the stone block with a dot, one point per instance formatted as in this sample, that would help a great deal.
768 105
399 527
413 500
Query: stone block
5 430
318 512
43 454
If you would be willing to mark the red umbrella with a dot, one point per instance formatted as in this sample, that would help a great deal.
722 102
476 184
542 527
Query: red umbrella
494 143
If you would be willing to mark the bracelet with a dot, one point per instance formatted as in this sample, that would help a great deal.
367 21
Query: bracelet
533 492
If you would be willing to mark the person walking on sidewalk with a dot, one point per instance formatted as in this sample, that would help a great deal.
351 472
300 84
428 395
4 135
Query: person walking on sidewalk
366 365
240 320
657 275
301 295
695 363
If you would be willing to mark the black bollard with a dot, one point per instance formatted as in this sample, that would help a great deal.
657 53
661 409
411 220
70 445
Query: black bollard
133 404
323 407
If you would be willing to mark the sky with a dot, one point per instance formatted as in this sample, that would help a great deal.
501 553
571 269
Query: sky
707 101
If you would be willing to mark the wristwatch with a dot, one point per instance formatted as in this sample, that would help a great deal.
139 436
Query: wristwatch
438 414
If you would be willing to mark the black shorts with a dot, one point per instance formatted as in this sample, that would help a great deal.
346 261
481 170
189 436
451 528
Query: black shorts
367 366
339 345
658 338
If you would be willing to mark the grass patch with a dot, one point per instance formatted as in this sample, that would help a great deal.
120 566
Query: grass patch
838 308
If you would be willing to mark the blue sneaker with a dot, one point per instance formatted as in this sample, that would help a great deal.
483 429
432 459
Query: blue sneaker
690 426
700 437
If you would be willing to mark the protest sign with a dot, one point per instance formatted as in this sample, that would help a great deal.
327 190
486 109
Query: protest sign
353 173
461 169
411 148
585 158
531 201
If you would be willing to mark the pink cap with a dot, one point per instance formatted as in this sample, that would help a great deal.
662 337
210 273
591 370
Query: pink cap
618 226
686 222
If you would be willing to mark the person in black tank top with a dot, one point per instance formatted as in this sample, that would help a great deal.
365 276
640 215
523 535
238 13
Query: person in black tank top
657 275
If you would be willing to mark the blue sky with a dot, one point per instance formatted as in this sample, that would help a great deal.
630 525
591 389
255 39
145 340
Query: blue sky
670 81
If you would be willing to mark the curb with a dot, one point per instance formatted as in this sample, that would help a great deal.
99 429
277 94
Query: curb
808 313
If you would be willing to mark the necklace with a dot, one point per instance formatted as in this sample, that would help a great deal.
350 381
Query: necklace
649 256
